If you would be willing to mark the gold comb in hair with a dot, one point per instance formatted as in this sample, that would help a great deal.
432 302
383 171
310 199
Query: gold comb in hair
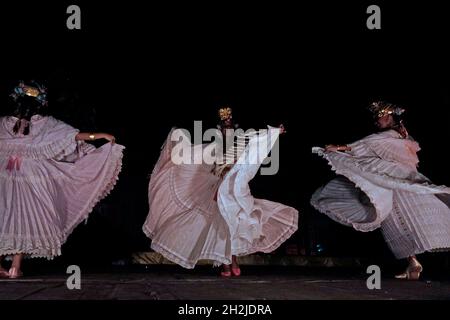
225 113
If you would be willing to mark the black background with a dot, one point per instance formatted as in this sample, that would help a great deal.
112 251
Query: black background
136 70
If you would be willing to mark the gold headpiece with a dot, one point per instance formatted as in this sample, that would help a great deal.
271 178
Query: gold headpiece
36 91
31 91
225 113
381 108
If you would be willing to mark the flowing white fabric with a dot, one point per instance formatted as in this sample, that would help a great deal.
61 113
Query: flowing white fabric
196 215
379 186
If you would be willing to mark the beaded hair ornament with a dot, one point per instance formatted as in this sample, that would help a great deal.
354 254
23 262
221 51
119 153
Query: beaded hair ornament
381 108
36 91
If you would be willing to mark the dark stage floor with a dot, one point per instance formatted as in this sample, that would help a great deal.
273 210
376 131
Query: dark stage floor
172 283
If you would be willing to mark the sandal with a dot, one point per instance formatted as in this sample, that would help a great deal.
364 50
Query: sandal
15 273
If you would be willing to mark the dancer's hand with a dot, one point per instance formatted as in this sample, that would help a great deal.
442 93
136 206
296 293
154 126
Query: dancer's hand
221 170
108 137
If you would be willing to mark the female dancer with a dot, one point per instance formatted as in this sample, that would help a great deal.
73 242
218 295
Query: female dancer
205 211
50 179
378 185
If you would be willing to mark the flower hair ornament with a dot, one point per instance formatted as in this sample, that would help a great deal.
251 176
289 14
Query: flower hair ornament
37 91
225 113
381 108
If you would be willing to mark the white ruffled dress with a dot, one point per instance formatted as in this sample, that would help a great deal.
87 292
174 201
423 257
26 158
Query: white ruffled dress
197 215
49 183
378 186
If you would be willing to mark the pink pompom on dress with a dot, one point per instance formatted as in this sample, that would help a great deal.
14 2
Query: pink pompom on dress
196 214
379 186
49 183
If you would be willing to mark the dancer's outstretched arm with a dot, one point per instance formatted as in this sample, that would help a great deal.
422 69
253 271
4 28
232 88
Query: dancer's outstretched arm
253 133
95 136
334 148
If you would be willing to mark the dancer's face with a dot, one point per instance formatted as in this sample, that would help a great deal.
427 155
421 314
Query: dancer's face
228 123
385 122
